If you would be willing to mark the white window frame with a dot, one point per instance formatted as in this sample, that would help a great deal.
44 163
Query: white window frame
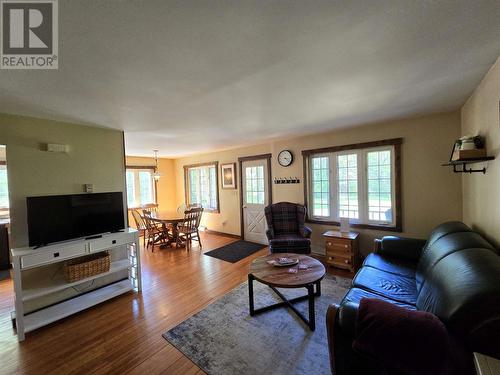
362 169
187 185
137 185
393 185
5 210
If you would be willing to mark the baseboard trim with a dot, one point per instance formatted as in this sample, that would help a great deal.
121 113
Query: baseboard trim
224 234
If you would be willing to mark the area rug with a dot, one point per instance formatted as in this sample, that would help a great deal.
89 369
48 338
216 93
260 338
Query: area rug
223 338
235 251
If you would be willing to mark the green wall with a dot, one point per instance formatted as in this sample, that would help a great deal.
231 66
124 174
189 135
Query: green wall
95 156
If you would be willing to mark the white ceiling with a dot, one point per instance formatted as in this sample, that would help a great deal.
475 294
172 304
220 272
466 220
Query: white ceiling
189 76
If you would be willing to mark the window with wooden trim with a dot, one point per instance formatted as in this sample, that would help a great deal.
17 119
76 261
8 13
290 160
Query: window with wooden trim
141 187
201 185
360 182
4 188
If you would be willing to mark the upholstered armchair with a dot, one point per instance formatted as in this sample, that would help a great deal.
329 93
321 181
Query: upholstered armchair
286 230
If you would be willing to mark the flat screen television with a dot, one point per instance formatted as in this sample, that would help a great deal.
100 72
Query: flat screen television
63 217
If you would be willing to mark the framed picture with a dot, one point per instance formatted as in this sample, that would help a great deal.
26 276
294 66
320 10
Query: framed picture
228 175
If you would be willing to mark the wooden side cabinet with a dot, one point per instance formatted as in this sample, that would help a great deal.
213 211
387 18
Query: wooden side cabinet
342 249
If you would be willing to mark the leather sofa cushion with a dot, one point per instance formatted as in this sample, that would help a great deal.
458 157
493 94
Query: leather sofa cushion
390 264
444 246
355 294
386 284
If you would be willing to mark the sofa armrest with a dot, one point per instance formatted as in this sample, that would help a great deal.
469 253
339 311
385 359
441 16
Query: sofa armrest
401 247
330 324
341 326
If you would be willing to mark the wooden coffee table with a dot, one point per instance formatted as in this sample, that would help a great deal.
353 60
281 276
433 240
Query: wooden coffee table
279 277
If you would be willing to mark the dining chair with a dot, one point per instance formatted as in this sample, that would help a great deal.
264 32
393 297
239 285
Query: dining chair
153 229
140 225
152 207
189 228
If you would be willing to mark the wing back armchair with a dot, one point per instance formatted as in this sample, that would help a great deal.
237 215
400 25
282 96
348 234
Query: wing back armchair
286 231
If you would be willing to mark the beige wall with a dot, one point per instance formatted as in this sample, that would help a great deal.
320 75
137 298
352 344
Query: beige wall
166 187
431 193
481 193
95 156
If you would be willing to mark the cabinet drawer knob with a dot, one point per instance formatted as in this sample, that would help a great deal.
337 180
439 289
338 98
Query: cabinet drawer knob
329 243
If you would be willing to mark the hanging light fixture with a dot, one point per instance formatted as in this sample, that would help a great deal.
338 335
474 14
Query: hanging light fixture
157 174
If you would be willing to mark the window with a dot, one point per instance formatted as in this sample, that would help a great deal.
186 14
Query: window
140 186
359 182
4 189
201 185
380 186
255 184
321 186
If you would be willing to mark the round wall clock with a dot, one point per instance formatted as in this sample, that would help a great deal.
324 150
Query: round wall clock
285 158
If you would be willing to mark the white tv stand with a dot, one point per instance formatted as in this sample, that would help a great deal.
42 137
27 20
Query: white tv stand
43 296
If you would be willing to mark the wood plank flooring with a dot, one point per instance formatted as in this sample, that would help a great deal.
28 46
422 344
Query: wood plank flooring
123 336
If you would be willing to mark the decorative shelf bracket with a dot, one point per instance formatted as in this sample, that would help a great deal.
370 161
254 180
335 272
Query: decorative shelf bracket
464 162
469 170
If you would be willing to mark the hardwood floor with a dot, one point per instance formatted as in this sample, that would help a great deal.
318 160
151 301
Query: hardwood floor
123 336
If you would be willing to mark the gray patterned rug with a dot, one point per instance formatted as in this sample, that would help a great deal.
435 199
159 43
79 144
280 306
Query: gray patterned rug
223 338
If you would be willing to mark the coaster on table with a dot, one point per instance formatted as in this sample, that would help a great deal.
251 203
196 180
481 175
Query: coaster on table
303 266
292 270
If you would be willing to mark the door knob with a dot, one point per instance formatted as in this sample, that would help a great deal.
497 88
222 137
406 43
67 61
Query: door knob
244 206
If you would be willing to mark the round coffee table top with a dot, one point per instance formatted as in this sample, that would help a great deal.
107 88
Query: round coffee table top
280 277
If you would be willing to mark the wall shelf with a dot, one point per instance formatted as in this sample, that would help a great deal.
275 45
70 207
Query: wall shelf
463 162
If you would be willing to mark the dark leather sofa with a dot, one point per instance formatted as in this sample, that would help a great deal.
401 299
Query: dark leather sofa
455 275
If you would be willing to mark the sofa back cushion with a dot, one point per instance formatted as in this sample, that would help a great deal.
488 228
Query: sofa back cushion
444 229
443 246
463 290
439 232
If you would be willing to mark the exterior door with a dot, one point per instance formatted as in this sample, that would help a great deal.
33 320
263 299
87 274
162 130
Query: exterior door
255 181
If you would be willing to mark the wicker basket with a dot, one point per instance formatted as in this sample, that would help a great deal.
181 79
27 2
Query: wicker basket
87 266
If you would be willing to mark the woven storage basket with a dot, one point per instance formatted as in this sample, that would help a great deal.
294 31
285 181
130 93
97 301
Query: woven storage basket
80 268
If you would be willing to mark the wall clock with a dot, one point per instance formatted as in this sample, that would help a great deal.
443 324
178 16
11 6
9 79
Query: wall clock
285 158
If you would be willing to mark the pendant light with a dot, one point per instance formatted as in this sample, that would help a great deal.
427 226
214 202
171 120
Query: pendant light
157 174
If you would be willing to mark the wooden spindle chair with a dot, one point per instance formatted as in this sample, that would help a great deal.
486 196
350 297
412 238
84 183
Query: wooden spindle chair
189 229
153 229
140 225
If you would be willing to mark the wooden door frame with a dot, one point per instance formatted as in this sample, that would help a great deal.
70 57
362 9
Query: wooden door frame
266 157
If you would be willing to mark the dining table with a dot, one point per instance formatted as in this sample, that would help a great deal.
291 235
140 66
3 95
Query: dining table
166 219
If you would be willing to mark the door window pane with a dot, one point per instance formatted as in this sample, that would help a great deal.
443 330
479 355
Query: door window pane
255 185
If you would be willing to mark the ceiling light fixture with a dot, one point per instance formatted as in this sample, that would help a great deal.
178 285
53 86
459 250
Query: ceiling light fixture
156 174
